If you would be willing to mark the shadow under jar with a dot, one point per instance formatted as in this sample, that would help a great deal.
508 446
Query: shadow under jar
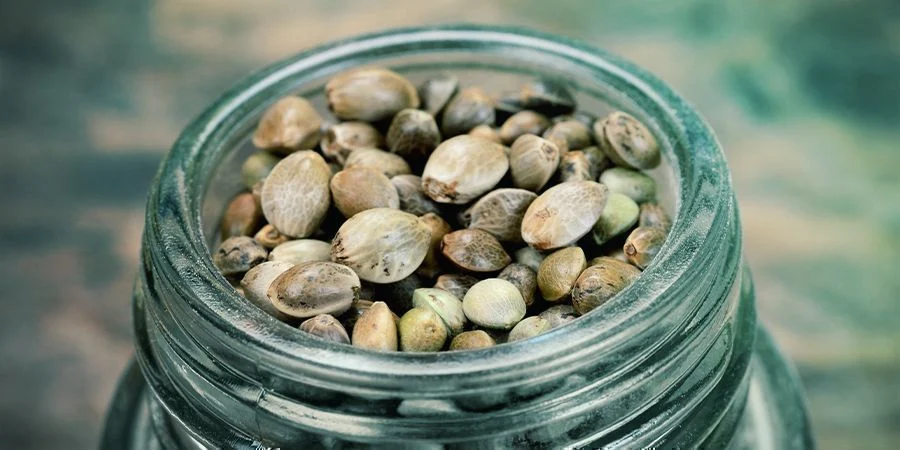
676 360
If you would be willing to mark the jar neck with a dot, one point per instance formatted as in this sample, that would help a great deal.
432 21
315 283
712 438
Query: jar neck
226 372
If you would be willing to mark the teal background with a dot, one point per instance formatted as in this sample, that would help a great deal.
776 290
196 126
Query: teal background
804 96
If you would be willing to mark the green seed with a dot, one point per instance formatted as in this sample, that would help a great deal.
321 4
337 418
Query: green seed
291 124
558 272
559 315
238 254
326 327
422 330
494 303
455 283
413 134
618 216
474 250
523 278
653 215
529 327
472 340
643 244
301 251
469 108
376 329
628 142
522 123
242 216
600 282
636 185
257 167
446 305
314 288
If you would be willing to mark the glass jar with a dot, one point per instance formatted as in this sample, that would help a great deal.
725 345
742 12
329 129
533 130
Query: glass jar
675 360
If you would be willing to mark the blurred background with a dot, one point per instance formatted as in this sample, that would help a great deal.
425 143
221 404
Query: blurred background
804 95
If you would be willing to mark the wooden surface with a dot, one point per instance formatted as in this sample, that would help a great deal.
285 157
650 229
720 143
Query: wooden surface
804 96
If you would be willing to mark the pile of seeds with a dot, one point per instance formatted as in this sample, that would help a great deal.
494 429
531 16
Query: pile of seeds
415 223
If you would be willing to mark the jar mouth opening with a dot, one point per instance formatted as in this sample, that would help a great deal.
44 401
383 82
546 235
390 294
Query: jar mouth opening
702 188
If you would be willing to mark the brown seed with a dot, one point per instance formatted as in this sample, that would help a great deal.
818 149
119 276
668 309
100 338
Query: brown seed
412 198
522 277
370 94
522 123
257 167
532 161
574 133
600 282
456 283
474 250
413 134
472 340
463 168
486 132
326 327
269 237
575 166
563 214
242 216
314 288
436 92
422 330
385 162
653 215
357 309
469 108
438 227
291 124
558 273
295 195
357 189
343 138
643 244
376 329
500 213
238 254
627 141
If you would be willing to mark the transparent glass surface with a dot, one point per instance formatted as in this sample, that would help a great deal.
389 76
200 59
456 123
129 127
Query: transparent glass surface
676 360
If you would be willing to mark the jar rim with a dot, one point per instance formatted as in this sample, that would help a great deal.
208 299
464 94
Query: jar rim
174 210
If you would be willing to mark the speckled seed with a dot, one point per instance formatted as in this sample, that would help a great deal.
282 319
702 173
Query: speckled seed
600 282
370 94
597 159
357 189
529 257
653 215
563 214
422 330
619 215
558 272
326 327
486 132
494 303
521 123
413 134
238 254
382 245
529 327
643 244
385 162
269 237
343 138
559 315
438 227
640 187
574 166
436 92
357 309
295 195
412 198
302 251
291 124
532 162
472 340
242 216
523 278
455 283
628 142
448 307
257 167
574 133
463 168
256 284
313 288
469 108
376 329
500 213
474 250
